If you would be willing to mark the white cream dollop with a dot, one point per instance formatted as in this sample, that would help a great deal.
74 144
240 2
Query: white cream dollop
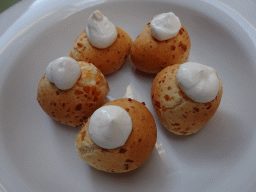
165 26
110 126
199 82
63 72
100 31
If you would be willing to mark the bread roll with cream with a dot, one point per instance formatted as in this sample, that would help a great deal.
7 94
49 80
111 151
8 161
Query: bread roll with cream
74 105
108 60
176 111
136 149
151 55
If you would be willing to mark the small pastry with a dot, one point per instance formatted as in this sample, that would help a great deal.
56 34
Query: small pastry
186 96
118 137
102 44
163 42
71 91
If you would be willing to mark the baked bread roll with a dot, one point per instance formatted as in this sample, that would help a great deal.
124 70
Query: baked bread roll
151 55
107 60
133 153
176 111
76 104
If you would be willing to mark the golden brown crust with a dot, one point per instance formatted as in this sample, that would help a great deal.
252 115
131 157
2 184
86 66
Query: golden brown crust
107 60
151 56
133 153
74 105
176 111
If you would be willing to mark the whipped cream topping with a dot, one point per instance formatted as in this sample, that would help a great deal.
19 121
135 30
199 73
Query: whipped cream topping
63 72
100 31
165 26
199 82
110 126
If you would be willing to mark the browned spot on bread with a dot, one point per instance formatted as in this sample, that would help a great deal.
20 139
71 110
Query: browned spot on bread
104 150
126 166
95 99
167 98
57 92
78 92
143 103
127 109
83 135
182 46
79 44
94 89
86 89
97 93
169 88
163 109
157 104
129 161
183 132
126 56
173 47
79 107
129 99
196 109
175 124
122 150
176 129
208 105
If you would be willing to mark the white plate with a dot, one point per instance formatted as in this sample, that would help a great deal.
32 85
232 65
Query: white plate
38 154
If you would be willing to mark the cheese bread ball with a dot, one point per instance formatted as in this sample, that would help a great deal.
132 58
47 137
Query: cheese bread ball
107 60
176 111
136 149
151 55
76 104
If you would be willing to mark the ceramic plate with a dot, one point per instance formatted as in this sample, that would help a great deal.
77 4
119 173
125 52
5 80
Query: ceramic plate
38 154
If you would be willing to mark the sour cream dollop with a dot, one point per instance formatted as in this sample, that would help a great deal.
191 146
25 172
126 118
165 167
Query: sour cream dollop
63 72
100 31
199 82
165 26
110 126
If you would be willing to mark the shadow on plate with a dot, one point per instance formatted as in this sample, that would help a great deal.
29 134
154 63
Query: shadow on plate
222 142
152 176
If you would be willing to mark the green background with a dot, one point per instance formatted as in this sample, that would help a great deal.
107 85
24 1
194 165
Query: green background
4 4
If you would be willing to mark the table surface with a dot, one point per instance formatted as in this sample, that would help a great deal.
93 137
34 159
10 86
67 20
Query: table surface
11 10
18 9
